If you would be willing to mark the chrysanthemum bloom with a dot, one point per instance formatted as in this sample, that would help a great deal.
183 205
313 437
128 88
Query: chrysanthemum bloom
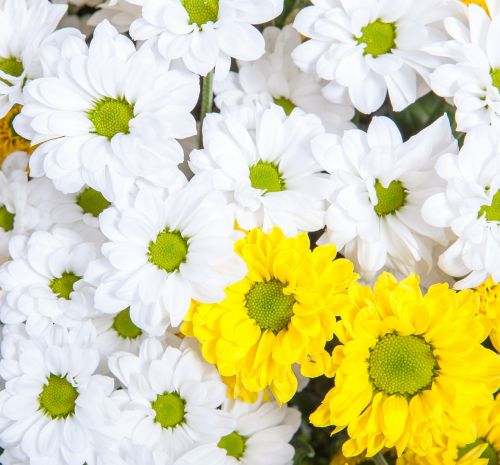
10 141
489 293
409 367
205 34
282 313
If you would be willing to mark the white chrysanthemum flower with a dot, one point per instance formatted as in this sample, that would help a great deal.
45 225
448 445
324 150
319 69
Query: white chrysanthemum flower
276 78
52 404
43 282
469 204
262 434
205 35
165 250
120 13
107 114
371 48
472 80
25 26
172 398
380 184
266 167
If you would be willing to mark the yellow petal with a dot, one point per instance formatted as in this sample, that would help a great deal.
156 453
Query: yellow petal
395 415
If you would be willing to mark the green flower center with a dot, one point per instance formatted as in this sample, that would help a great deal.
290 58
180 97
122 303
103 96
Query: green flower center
58 397
6 219
92 201
489 453
111 116
11 66
390 199
286 104
201 11
269 306
234 444
124 326
379 38
492 211
266 176
495 77
168 251
169 408
64 285
401 365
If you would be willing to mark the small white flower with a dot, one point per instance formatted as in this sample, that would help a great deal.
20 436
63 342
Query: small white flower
165 250
172 399
469 204
25 26
107 114
276 78
205 35
53 405
120 13
43 283
266 167
379 185
371 48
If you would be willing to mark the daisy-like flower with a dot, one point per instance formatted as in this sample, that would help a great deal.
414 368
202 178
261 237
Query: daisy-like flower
489 292
266 167
52 403
25 26
10 141
371 49
280 314
472 79
107 114
379 184
205 34
276 78
408 367
171 399
120 13
43 283
165 250
469 204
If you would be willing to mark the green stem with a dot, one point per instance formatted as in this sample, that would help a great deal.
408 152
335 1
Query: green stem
207 97
379 459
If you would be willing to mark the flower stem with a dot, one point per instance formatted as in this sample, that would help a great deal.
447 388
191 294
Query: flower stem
379 459
207 98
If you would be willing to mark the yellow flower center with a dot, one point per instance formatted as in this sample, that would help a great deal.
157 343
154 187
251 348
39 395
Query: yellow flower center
11 66
92 201
234 444
201 11
64 285
10 141
266 176
489 453
495 77
58 397
124 326
6 219
492 211
390 199
286 104
379 38
481 3
111 116
168 251
269 306
169 408
402 365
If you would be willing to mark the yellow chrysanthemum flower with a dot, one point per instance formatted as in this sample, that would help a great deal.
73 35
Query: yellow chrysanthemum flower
489 292
409 367
340 459
282 313
10 141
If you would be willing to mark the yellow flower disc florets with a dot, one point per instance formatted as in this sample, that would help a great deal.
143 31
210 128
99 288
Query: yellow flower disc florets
489 293
408 367
481 3
10 141
282 313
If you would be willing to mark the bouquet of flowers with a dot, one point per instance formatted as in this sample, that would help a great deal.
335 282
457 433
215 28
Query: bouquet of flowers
257 232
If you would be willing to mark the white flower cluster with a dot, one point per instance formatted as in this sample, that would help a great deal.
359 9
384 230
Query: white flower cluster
105 242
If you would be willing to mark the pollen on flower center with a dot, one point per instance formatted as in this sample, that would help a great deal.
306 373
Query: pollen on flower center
269 306
92 201
390 199
286 104
401 365
64 285
124 326
490 453
6 219
201 11
492 211
169 408
168 251
111 116
234 444
11 66
58 397
266 176
10 141
379 38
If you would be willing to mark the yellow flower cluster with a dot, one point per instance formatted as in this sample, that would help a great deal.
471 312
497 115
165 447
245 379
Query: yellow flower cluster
489 293
10 141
